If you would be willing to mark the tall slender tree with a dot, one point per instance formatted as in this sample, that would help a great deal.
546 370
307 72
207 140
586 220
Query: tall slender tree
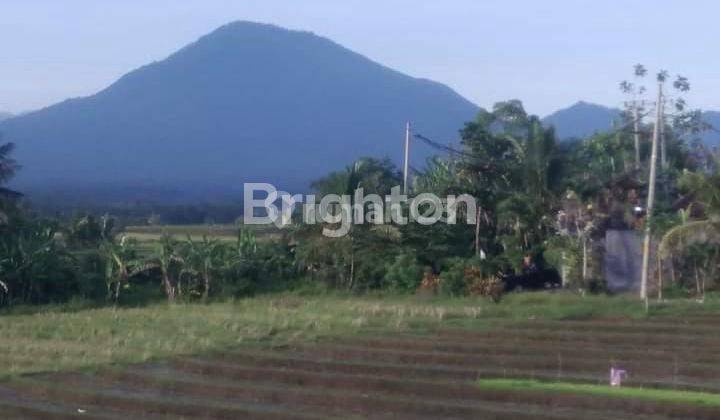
635 106
682 120
651 189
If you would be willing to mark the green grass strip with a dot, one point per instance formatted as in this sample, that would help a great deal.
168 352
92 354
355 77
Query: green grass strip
652 394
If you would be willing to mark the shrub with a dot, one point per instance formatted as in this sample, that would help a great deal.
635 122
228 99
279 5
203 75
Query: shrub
91 276
404 273
481 283
463 276
452 278
430 284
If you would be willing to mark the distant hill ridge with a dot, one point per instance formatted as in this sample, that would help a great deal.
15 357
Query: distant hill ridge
583 119
247 102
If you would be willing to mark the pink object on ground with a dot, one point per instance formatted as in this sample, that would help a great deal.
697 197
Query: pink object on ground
617 376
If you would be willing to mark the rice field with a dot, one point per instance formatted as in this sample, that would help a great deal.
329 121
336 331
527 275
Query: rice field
534 356
223 232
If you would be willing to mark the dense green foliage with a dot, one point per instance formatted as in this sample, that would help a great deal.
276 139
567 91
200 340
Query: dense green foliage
541 205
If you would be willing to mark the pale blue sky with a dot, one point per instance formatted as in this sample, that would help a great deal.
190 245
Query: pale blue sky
547 53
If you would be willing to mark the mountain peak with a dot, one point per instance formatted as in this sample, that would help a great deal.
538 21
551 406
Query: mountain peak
586 104
242 32
247 31
581 119
248 102
241 25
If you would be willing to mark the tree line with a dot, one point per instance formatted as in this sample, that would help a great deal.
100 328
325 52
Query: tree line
543 206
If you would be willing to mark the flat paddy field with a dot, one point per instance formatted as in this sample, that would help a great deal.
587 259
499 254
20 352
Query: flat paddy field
222 232
532 356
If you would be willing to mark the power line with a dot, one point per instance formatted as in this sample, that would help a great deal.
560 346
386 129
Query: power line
455 152
486 167
440 146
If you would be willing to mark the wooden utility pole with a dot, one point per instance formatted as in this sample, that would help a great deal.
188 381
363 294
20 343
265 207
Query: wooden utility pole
651 193
406 163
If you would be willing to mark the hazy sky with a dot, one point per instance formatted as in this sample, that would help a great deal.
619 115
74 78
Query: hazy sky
547 53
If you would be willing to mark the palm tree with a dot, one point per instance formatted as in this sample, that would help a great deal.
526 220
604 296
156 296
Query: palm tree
533 190
705 190
440 177
374 177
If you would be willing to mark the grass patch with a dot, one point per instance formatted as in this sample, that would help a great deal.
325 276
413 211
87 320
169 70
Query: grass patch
651 394
67 337
53 339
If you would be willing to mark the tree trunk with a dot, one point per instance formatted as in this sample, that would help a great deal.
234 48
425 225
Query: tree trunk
169 289
564 270
660 276
651 195
117 291
477 232
584 260
28 290
352 267
206 282
673 281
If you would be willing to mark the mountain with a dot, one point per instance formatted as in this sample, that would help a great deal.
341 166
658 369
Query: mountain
248 102
712 137
5 116
581 120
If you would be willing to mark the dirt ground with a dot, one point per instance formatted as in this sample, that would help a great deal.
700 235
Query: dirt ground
401 376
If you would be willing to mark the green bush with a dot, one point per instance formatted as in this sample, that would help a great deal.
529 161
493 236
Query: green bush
269 267
91 276
404 273
452 277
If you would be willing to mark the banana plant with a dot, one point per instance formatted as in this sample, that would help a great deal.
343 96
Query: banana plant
246 244
235 259
29 260
120 261
169 262
202 258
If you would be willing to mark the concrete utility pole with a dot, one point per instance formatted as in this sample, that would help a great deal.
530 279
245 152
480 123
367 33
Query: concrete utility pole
636 132
663 153
406 163
651 193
